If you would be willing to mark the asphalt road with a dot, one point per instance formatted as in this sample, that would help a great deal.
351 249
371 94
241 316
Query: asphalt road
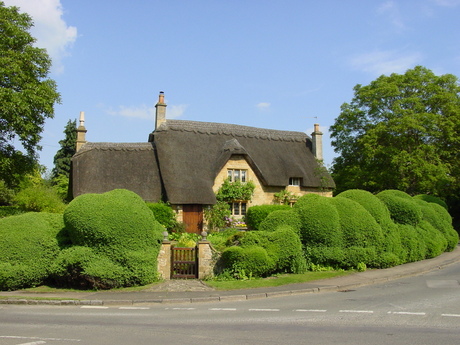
417 310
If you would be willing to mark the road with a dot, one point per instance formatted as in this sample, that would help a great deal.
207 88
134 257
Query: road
417 310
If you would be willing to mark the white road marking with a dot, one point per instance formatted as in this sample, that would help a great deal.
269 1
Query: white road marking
357 311
39 340
405 313
224 309
451 315
180 308
134 308
264 310
312 310
34 343
93 307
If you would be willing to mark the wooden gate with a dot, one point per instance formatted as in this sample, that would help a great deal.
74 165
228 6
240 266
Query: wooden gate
184 263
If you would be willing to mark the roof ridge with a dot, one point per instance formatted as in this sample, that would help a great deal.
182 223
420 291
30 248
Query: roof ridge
215 128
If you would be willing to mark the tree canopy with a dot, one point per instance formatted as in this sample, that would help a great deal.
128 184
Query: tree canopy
27 95
400 132
64 154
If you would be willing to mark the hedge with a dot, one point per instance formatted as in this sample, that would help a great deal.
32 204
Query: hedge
256 214
163 214
403 209
28 247
248 261
358 227
122 233
281 217
432 199
320 221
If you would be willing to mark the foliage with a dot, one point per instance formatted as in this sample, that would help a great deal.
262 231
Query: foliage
400 132
281 217
219 239
27 95
122 233
28 246
6 194
320 221
185 239
39 198
163 214
61 185
433 199
403 209
216 215
237 190
63 156
247 261
8 211
284 197
256 214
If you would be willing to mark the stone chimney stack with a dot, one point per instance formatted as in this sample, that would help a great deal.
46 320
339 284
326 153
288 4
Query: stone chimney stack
81 132
317 141
160 114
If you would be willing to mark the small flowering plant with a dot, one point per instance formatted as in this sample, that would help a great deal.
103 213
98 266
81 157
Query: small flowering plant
234 223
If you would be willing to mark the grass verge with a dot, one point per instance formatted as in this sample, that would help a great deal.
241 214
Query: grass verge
283 279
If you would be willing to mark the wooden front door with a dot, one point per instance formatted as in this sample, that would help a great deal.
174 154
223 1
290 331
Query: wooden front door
193 218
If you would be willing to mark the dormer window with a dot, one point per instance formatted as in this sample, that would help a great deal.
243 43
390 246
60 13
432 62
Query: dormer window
294 181
237 175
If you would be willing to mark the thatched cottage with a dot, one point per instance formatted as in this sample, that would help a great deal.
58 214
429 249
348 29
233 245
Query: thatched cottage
185 163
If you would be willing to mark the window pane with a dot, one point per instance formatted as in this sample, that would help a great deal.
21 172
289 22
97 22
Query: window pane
243 208
243 175
230 174
236 209
236 175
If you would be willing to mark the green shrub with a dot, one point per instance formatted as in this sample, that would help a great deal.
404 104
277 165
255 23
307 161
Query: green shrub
219 239
413 245
391 247
358 227
432 199
256 214
28 246
403 209
7 211
216 215
281 217
247 261
285 242
118 227
163 214
39 198
320 221
6 194
324 256
434 241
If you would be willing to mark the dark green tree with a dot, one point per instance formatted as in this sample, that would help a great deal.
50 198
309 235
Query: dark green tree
64 154
400 132
27 95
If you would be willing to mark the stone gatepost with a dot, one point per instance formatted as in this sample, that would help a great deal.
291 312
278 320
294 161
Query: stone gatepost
205 258
164 258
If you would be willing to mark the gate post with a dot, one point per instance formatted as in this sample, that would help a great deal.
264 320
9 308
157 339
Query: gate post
164 258
205 261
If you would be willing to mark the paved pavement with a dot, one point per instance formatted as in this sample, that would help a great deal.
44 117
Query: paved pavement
194 291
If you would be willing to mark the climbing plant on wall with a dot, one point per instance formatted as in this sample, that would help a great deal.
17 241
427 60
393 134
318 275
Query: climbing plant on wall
231 191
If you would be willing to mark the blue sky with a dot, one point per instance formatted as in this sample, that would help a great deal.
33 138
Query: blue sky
271 64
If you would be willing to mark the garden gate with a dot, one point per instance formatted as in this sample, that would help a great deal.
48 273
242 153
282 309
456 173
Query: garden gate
184 263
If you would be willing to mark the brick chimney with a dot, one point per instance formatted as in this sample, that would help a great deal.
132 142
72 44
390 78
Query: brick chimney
317 141
81 132
160 114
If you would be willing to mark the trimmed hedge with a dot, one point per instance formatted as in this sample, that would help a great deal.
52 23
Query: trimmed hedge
281 217
403 209
120 231
320 221
28 247
163 214
432 199
247 261
256 214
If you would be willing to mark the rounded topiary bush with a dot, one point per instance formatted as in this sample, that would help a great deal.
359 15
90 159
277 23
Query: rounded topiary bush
320 221
28 247
432 199
163 214
370 202
435 243
286 243
256 214
358 227
413 245
247 261
403 209
281 217
122 232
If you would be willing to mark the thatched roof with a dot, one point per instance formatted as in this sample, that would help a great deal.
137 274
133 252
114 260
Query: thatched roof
191 154
101 167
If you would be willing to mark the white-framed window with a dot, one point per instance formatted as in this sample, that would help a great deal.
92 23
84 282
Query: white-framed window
294 181
237 175
238 208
